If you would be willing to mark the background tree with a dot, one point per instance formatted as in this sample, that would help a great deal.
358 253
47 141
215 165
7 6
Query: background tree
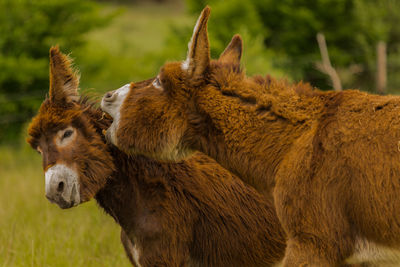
28 29
352 29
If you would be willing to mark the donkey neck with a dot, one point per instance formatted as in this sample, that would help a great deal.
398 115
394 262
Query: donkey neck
112 197
126 194
252 131
122 181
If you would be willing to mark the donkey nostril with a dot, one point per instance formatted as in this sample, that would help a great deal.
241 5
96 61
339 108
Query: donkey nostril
60 187
109 96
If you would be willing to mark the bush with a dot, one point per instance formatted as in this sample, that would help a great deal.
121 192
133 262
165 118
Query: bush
28 28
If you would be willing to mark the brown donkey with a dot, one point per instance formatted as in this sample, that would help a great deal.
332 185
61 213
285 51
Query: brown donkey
192 213
330 160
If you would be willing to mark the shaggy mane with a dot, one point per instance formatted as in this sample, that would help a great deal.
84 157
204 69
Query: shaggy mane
268 96
100 120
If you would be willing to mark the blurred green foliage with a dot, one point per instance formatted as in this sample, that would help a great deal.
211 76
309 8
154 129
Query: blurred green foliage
352 29
131 48
228 18
27 30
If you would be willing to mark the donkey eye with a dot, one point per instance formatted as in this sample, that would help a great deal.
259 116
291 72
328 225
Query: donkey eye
67 134
157 83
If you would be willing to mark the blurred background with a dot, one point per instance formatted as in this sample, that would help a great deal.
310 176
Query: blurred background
332 44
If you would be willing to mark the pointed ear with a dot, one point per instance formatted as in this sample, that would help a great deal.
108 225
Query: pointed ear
233 52
198 56
64 81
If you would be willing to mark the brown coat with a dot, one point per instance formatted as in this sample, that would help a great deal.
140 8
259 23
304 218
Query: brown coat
191 213
330 160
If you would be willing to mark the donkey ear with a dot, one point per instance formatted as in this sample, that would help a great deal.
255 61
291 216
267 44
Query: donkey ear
198 56
64 81
233 52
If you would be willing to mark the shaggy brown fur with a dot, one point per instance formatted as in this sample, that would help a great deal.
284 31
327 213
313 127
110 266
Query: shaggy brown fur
191 213
331 160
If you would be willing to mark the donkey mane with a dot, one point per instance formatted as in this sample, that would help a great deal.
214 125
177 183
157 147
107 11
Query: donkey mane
268 96
100 120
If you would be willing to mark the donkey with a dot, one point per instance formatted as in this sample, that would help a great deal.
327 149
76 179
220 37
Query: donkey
191 213
330 160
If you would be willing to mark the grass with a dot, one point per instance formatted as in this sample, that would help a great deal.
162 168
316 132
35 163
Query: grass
34 232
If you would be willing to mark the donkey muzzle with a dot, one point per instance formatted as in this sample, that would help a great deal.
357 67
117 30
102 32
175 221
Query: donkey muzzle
113 100
110 96
62 186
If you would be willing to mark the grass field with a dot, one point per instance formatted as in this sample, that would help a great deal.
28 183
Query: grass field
34 232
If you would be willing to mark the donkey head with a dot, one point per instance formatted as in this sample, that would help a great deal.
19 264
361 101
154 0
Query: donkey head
154 117
76 161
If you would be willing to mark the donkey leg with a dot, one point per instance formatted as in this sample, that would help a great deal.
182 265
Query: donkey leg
128 247
162 259
305 253
311 205
315 221
158 254
162 253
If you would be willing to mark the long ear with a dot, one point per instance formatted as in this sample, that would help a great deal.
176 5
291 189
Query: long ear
64 81
233 52
198 57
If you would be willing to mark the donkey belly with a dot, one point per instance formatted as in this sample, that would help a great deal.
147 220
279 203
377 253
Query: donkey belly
374 254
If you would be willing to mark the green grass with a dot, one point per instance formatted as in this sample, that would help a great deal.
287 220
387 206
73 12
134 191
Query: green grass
34 232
